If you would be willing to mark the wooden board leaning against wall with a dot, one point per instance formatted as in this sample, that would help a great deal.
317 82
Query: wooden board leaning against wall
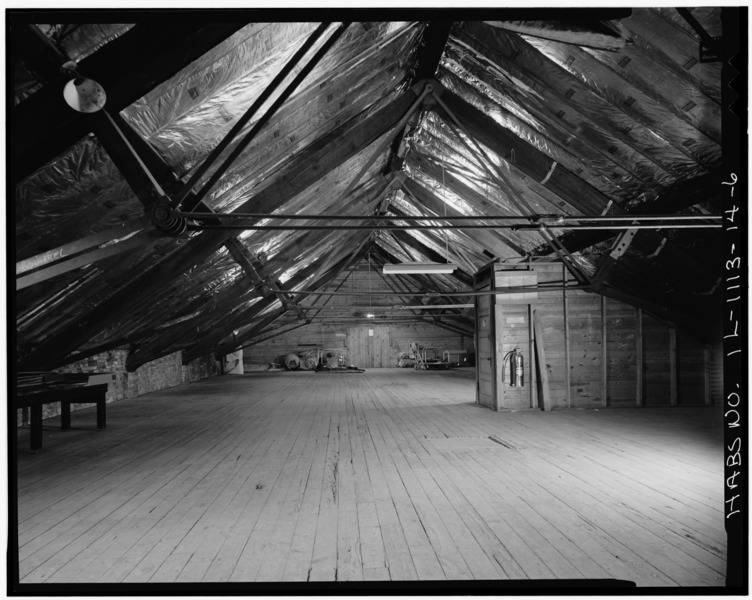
643 362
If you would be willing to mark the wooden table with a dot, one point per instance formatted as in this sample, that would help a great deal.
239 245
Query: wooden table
66 394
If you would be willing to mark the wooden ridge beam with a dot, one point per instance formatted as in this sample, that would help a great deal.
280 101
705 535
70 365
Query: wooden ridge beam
430 50
301 171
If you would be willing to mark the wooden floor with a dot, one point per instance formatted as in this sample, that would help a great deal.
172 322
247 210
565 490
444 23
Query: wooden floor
387 475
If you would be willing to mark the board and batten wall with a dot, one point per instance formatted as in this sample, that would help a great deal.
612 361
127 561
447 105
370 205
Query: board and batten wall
341 323
643 361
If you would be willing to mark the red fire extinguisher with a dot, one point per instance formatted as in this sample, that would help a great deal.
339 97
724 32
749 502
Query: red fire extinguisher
516 368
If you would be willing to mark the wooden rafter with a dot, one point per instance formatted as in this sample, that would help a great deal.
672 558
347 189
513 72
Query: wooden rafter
492 240
565 184
431 254
128 67
386 256
217 306
210 342
304 169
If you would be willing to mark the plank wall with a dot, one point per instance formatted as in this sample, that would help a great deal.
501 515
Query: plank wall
657 363
515 328
342 323
394 337
610 377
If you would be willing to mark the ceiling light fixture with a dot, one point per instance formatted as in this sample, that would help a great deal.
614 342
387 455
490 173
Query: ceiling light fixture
419 268
84 95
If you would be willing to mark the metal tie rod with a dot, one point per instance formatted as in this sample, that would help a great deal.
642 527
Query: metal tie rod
391 226
556 218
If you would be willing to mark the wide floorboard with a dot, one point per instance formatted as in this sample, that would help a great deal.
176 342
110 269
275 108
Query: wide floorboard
386 475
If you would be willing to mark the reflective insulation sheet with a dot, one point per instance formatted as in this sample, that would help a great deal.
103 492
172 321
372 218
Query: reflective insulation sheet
444 166
317 111
455 245
559 99
667 38
554 139
79 193
685 147
79 40
188 116
427 283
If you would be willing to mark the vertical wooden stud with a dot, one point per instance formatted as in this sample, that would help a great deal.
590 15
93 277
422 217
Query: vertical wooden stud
532 379
706 375
672 364
638 344
540 351
498 326
604 356
567 366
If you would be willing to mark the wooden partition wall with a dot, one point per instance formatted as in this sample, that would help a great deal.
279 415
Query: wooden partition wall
583 350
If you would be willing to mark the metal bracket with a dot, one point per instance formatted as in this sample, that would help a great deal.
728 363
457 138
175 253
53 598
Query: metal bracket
617 251
427 85
622 243
166 219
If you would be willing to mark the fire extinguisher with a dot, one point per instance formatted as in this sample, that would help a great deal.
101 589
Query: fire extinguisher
516 368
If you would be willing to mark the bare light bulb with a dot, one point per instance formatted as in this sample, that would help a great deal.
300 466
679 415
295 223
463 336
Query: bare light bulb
84 95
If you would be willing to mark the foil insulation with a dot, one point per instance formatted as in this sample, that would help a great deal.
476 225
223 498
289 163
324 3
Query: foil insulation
79 193
187 117
554 140
685 148
559 102
664 36
631 123
80 40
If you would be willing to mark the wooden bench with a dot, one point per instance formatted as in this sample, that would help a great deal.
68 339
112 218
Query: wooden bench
67 389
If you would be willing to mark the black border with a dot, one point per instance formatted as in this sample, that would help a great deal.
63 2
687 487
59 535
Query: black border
736 359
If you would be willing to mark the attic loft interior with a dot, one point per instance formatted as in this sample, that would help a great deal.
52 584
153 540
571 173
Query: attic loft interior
437 300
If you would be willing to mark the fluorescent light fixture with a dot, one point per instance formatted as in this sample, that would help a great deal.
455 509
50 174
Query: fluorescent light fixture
419 267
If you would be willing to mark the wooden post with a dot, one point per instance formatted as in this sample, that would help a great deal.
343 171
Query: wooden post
706 375
531 347
672 365
566 340
498 348
638 343
604 356
540 352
